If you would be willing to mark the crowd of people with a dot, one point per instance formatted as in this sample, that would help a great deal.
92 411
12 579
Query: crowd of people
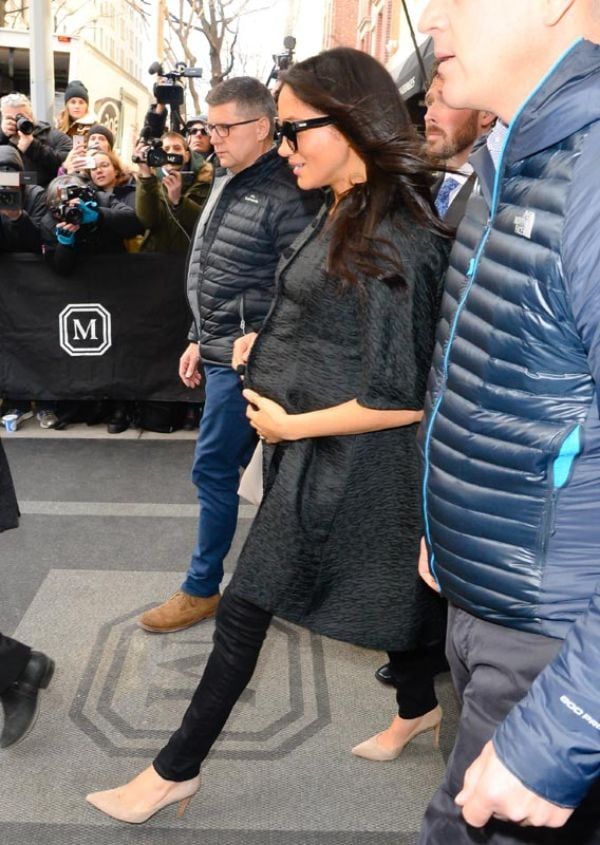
409 336
79 197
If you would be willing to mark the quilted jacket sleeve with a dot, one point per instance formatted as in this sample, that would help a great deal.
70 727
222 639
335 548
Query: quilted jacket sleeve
551 739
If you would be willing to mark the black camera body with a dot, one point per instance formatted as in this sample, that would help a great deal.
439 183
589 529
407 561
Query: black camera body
169 91
24 124
283 61
11 199
155 156
66 213
11 195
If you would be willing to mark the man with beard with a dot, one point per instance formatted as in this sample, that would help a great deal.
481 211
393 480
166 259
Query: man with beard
449 138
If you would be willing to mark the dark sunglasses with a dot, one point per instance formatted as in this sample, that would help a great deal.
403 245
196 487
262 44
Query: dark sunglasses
198 131
289 129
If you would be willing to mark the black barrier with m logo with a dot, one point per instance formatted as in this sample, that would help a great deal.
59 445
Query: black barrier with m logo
115 329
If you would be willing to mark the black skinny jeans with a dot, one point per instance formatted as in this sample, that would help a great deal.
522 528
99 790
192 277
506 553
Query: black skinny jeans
240 631
413 673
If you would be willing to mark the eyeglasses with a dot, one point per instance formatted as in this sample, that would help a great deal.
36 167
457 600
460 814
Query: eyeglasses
199 131
289 129
223 129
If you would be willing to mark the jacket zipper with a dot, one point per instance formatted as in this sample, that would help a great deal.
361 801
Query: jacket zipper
471 274
242 315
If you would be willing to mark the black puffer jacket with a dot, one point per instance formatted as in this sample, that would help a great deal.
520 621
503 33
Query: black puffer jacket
236 248
47 151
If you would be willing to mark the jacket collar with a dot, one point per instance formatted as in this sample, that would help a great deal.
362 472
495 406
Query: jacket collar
565 101
266 161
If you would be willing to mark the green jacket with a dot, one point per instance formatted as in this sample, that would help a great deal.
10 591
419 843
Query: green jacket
162 220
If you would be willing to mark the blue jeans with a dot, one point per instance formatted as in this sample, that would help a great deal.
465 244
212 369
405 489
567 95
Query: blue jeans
225 443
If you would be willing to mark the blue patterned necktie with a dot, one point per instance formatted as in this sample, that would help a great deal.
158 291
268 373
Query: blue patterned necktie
442 201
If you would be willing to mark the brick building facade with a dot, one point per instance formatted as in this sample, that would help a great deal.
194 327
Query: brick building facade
341 24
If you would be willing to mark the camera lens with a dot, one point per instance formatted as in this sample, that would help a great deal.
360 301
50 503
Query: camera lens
72 215
24 125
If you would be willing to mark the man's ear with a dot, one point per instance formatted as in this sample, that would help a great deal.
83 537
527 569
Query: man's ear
263 128
486 120
553 11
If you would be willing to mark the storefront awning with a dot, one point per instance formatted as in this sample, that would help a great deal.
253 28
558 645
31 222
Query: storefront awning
410 79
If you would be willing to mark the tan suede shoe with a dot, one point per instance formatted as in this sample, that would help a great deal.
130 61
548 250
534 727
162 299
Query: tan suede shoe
179 612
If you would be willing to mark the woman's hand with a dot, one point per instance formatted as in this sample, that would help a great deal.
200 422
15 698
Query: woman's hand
424 570
76 161
271 422
241 350
68 227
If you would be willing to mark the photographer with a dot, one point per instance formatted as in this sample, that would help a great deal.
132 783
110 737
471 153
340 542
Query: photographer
22 209
198 137
21 222
169 196
43 148
81 219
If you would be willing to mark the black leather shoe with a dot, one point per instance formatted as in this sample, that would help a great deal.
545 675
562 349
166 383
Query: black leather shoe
118 422
20 701
384 675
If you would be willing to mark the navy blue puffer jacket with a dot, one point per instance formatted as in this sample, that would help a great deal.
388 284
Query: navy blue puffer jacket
235 251
511 441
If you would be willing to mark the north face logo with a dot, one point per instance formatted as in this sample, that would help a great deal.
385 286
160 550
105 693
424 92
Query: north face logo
524 224
85 329
251 198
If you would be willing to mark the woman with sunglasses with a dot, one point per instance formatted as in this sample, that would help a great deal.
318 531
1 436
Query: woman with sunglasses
336 382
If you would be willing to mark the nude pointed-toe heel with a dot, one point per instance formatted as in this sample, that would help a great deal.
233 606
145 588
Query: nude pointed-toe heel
371 749
436 734
113 803
183 805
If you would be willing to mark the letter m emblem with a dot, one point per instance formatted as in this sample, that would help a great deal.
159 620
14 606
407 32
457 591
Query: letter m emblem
85 329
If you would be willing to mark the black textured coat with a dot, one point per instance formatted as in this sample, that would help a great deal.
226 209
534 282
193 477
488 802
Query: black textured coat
9 511
335 543
232 262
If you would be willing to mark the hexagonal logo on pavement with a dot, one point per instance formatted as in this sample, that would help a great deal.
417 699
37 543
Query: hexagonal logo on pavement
136 688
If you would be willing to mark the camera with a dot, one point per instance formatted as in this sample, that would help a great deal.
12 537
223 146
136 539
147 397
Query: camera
155 156
11 197
169 91
60 206
24 124
282 61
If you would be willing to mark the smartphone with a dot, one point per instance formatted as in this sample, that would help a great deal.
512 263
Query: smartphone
79 143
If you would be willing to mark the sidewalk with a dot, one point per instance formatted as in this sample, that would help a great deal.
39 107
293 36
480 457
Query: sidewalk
107 528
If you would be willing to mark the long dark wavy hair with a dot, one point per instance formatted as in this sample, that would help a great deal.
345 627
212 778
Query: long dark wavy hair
360 95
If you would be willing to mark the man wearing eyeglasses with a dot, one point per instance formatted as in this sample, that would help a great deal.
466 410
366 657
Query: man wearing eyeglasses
254 211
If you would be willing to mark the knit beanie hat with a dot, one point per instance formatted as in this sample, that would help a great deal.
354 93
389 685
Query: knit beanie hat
76 88
10 158
99 129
